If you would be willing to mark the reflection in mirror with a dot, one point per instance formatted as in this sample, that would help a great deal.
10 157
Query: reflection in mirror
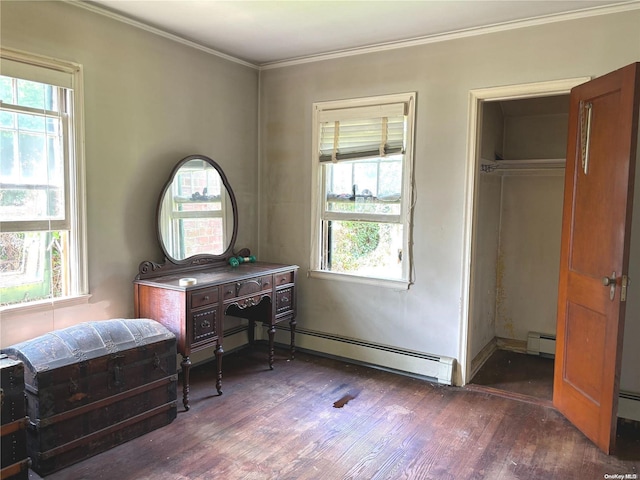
196 213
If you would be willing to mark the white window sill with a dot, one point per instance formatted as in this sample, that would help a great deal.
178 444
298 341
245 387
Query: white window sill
43 305
344 277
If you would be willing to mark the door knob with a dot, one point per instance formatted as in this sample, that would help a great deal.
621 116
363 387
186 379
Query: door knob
611 283
607 281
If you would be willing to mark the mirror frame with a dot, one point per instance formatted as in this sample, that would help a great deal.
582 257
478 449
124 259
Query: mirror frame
149 269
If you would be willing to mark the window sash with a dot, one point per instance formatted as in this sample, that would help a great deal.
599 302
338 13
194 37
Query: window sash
359 214
35 226
362 217
62 221
176 215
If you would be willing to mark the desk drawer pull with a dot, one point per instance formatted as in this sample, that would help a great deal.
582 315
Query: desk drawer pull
205 324
248 302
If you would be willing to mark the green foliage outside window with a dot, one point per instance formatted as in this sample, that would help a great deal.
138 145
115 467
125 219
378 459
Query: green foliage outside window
360 246
44 273
360 238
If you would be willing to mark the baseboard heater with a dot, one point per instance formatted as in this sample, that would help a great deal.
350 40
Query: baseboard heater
629 405
435 368
542 344
431 367
545 345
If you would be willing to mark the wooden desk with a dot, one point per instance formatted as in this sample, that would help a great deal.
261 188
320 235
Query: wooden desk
257 291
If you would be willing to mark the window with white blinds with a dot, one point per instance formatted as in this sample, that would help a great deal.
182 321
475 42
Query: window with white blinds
362 164
362 132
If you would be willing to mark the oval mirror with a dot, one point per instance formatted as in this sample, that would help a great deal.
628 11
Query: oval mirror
197 217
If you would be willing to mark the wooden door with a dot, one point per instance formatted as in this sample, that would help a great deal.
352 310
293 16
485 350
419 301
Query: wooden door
601 153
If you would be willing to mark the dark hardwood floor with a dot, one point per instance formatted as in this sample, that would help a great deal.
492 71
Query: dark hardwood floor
517 375
318 418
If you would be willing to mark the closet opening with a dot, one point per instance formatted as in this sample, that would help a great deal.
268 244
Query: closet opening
517 225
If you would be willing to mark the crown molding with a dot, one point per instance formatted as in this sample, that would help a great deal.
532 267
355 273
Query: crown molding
381 47
157 31
465 33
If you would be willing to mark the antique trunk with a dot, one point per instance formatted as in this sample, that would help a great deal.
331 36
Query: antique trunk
15 463
95 385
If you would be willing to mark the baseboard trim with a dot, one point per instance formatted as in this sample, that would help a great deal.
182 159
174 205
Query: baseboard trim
481 358
519 346
507 394
424 365
415 364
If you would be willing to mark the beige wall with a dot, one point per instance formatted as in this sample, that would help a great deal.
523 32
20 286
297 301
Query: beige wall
149 102
517 255
529 255
630 378
427 317
482 312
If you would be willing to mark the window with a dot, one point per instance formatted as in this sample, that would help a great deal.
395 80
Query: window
41 178
362 178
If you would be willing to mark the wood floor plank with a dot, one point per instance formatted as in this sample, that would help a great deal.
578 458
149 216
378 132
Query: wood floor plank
283 424
519 373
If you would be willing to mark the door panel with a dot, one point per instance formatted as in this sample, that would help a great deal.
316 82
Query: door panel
583 353
598 184
601 152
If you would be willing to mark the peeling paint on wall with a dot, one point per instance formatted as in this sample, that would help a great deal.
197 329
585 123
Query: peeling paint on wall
504 322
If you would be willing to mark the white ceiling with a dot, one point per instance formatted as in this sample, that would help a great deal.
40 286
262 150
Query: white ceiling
267 32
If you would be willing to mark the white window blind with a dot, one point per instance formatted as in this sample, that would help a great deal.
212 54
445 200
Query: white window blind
60 76
361 132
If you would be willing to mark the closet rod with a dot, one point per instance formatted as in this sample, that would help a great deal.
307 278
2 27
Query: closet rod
488 166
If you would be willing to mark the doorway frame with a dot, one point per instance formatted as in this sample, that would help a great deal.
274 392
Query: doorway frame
476 98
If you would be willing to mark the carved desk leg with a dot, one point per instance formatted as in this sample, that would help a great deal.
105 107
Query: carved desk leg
292 326
219 352
186 366
272 333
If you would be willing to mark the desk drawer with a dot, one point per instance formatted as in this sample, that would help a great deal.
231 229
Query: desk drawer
284 300
204 325
200 298
246 287
284 278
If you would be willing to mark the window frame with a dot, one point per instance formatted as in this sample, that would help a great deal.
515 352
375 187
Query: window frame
69 76
318 194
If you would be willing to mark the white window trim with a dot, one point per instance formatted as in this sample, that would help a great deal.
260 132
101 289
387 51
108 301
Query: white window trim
40 306
407 198
78 219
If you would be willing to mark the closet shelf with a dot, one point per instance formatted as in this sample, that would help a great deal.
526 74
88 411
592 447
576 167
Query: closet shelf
489 166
